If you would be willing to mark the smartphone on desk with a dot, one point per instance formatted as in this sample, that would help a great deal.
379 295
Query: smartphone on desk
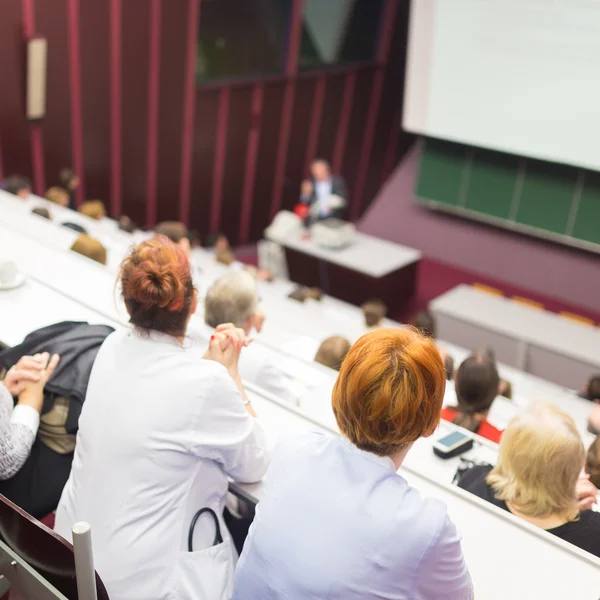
452 444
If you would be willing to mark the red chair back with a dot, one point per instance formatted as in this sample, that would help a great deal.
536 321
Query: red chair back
43 549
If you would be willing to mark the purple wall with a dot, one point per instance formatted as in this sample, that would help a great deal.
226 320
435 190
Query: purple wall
549 269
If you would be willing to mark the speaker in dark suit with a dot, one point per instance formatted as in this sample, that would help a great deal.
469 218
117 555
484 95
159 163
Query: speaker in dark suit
325 194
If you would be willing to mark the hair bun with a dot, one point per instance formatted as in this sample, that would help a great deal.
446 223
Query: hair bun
153 284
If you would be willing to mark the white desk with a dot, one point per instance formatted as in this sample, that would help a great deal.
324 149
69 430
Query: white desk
368 268
16 218
34 305
68 273
367 254
535 341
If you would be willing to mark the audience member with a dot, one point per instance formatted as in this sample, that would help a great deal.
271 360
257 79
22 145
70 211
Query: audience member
19 186
219 244
592 462
94 209
68 180
425 323
476 384
164 426
19 424
448 365
345 520
177 232
537 477
90 247
126 224
37 487
58 195
505 389
332 352
594 420
41 211
591 390
234 299
374 312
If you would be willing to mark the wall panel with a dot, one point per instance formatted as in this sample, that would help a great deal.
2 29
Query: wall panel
134 107
14 129
358 119
51 23
295 169
95 81
205 128
239 122
172 78
267 155
332 105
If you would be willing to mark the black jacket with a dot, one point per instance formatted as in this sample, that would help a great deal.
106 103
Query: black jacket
77 344
37 487
338 188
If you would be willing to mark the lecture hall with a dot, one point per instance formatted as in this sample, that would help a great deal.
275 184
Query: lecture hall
299 300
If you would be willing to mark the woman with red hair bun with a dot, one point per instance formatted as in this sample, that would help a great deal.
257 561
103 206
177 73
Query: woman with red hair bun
337 521
163 427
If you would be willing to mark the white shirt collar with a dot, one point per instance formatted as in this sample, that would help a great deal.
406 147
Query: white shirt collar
384 461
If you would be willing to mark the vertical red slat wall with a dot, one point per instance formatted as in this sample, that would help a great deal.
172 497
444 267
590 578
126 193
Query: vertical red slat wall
124 109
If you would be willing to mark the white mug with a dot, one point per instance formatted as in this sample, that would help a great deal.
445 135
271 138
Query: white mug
8 272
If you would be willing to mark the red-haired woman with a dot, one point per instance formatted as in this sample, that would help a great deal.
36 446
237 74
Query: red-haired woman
163 427
337 521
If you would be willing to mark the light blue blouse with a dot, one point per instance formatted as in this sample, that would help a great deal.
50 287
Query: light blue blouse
338 523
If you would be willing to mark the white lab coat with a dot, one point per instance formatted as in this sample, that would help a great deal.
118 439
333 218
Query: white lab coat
159 434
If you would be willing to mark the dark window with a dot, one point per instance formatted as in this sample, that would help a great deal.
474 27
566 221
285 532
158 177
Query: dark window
337 32
239 38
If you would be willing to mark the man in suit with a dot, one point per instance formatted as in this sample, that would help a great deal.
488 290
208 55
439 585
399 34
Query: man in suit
325 194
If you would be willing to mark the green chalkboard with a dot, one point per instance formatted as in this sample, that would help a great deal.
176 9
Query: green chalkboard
547 196
587 222
492 183
441 172
536 197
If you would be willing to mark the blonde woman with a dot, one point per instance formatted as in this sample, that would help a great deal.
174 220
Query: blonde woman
537 477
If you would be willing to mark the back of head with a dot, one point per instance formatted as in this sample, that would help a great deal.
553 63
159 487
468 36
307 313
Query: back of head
425 323
476 385
332 352
157 288
374 312
57 195
41 211
18 185
592 462
233 298
90 247
593 388
66 177
93 209
389 391
541 455
174 230
449 366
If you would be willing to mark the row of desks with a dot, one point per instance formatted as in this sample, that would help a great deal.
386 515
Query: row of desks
507 541
536 341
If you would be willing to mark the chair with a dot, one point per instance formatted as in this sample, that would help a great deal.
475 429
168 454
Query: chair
577 318
488 289
38 562
528 302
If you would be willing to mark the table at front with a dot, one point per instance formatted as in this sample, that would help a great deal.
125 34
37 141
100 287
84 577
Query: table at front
368 268
536 341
